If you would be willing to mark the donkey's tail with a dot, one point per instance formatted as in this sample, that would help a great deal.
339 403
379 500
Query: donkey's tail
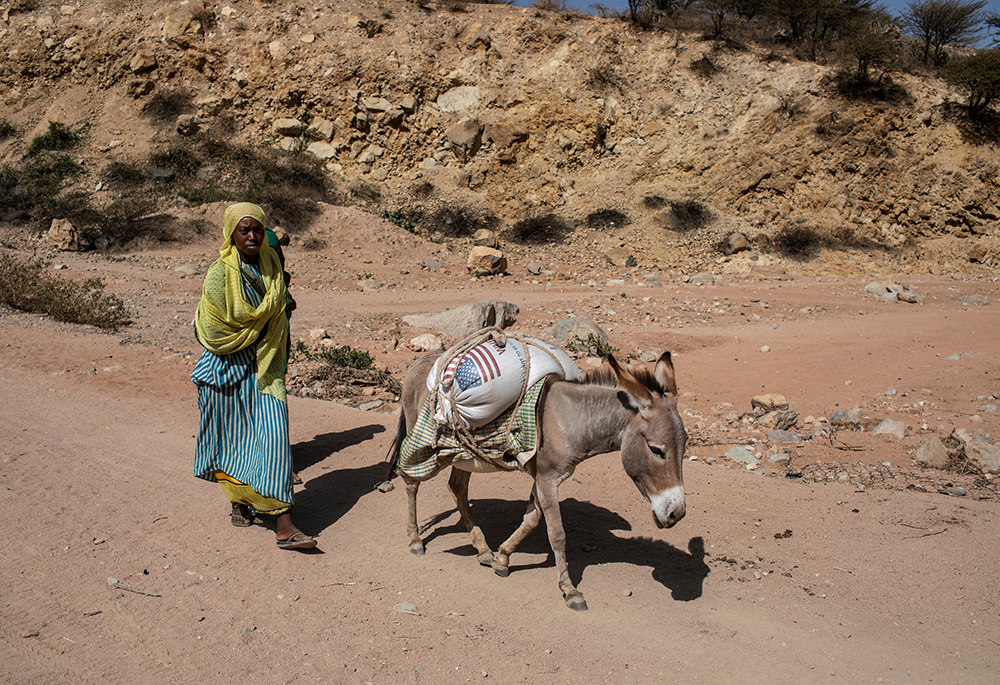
392 457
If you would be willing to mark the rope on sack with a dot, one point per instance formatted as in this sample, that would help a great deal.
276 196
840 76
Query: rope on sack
462 433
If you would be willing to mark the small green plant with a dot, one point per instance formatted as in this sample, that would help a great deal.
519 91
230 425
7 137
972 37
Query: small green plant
178 159
397 218
365 191
7 129
592 346
58 137
29 287
341 357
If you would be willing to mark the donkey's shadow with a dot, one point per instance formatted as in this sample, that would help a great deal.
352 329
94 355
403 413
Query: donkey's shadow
589 541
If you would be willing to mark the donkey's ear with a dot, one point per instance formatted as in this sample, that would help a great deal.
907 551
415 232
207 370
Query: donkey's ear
664 374
637 393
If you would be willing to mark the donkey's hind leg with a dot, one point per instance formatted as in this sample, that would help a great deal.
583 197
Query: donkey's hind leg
458 483
501 560
416 544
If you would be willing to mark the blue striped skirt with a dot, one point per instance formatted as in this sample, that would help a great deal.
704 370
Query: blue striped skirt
243 432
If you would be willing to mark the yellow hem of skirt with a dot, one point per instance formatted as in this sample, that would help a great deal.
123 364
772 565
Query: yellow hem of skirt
239 493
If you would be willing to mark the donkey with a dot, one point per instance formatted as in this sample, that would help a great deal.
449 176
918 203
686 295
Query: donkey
634 411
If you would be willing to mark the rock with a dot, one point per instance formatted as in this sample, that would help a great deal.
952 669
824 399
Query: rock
408 104
896 429
703 278
783 436
620 257
780 458
458 99
465 138
987 456
65 237
369 406
427 343
431 264
369 284
957 491
187 270
288 127
577 328
846 419
462 322
376 104
534 268
143 61
188 124
321 130
157 174
734 242
486 259
181 26
781 419
323 150
742 455
932 453
974 300
406 608
32 633
277 50
769 402
318 334
486 238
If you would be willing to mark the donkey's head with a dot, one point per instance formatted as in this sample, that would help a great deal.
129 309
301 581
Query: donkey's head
653 444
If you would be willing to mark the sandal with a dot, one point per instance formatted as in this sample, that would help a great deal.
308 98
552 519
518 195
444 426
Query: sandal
299 540
241 516
296 478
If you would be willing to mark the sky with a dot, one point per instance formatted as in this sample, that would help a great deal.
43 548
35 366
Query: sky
894 7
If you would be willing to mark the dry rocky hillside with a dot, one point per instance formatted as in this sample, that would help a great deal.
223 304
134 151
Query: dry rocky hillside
540 124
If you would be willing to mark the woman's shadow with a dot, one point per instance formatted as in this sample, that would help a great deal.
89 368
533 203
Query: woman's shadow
324 499
589 541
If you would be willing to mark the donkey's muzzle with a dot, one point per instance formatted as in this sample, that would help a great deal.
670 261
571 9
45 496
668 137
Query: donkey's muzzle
668 507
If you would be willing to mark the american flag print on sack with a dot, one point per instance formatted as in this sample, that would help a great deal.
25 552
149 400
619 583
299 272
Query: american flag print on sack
480 365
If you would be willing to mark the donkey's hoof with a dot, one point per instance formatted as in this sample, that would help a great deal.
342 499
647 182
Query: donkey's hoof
500 570
486 559
577 603
417 549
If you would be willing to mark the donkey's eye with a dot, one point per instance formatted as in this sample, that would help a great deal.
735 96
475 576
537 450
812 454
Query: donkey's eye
657 451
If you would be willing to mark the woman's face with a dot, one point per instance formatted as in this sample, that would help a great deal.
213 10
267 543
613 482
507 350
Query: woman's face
248 236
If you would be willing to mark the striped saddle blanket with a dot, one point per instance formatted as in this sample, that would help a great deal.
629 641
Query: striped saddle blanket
431 446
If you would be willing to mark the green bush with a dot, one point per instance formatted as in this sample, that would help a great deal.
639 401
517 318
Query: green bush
58 137
7 129
979 77
593 346
341 357
29 287
178 159
545 228
397 217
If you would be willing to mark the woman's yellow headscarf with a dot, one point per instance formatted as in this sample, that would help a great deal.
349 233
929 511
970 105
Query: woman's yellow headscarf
227 323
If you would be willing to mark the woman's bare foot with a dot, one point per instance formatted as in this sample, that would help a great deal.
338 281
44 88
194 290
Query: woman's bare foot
290 537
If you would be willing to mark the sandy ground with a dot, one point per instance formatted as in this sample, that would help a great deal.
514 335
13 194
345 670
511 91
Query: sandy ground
767 580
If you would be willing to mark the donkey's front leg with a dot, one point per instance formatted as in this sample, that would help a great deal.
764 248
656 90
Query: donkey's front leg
458 483
548 500
501 560
416 544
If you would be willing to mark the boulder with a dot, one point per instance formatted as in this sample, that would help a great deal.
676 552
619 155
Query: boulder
770 402
896 429
620 257
932 453
143 61
577 328
65 237
188 124
465 138
735 242
427 343
984 454
486 238
321 130
486 259
288 127
462 322
458 99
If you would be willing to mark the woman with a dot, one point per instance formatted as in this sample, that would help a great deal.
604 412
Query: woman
241 321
